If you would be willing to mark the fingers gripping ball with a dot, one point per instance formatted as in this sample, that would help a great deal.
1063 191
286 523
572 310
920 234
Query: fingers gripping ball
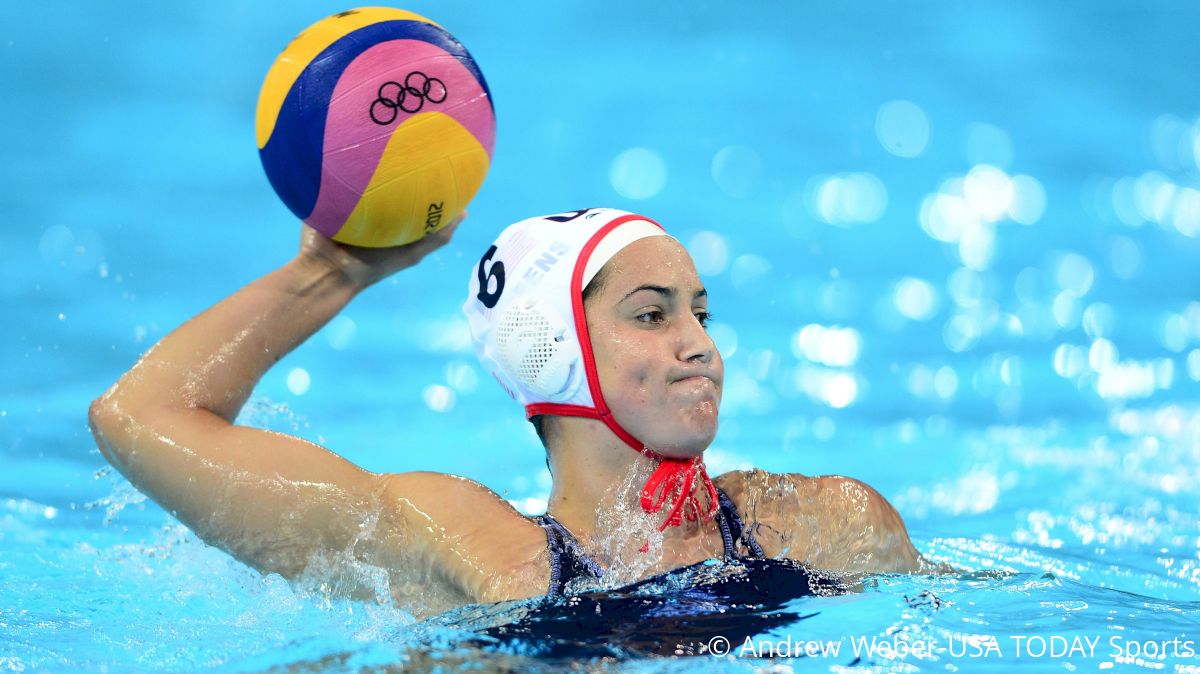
375 127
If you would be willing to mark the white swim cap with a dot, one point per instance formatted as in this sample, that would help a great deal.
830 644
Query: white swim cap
525 307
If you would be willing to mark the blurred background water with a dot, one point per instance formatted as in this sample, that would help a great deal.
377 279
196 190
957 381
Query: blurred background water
952 251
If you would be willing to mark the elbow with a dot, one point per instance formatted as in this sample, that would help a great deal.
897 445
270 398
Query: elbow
112 414
96 414
106 421
102 413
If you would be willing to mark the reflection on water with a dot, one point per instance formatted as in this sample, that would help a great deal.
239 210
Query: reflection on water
950 253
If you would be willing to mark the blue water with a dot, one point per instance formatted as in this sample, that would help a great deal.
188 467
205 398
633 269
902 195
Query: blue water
952 252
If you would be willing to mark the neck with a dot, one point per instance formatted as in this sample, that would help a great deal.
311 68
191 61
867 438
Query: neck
598 481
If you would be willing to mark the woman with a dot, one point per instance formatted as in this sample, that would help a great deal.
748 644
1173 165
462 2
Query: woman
594 320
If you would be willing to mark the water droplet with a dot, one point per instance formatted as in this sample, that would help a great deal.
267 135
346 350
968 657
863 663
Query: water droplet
839 390
823 428
832 346
298 381
1173 332
945 382
965 286
977 246
725 338
638 173
915 299
748 269
847 198
902 128
709 252
920 381
1170 139
57 244
988 191
1066 310
438 398
1126 257
1102 355
1124 203
1074 273
737 170
461 376
1098 320
1193 364
339 333
1069 360
1186 212
946 216
1029 200
960 333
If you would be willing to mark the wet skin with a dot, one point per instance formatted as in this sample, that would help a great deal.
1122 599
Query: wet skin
659 370
284 505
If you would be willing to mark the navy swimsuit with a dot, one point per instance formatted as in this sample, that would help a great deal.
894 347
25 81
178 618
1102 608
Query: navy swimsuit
753 595
568 561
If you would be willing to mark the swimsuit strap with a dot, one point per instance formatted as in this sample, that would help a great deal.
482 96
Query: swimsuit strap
568 560
733 529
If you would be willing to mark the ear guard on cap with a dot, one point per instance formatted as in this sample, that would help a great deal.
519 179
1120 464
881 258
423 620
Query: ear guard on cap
524 305
534 344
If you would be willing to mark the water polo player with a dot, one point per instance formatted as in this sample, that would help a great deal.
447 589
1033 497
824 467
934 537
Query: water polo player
594 322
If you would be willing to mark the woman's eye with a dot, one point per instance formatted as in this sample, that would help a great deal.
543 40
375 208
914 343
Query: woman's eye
704 317
651 317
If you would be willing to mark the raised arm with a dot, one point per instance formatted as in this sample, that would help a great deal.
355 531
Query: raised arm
270 499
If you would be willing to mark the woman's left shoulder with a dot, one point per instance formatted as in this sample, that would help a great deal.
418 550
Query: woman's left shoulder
750 476
739 484
837 490
829 497
771 505
832 522
865 532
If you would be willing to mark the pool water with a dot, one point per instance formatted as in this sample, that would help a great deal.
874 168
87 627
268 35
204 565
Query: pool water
952 251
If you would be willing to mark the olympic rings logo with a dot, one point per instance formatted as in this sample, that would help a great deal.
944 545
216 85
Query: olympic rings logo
409 97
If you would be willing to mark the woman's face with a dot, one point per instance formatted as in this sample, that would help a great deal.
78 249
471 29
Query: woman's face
660 373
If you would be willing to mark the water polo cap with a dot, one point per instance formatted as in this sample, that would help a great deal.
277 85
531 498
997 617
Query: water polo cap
525 308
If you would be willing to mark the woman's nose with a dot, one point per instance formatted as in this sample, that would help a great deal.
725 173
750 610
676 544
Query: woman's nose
695 343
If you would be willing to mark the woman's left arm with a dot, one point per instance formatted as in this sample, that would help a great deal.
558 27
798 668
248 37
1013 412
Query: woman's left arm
862 532
833 523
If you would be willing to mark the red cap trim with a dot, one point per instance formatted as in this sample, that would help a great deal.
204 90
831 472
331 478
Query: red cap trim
585 339
673 479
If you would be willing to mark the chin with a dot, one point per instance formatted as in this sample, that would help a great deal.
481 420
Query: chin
686 445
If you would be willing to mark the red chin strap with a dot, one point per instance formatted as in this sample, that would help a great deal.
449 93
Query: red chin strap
673 480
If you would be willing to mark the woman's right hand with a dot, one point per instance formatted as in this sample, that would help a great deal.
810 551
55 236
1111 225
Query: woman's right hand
366 266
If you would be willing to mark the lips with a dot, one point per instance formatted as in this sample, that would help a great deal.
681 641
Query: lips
696 380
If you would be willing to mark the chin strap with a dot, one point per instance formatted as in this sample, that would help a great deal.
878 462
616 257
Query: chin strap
673 479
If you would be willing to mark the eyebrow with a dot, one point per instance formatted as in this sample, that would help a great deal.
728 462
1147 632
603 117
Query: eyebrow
669 293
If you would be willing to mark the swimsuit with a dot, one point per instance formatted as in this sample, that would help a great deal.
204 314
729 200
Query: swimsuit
737 598
568 560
